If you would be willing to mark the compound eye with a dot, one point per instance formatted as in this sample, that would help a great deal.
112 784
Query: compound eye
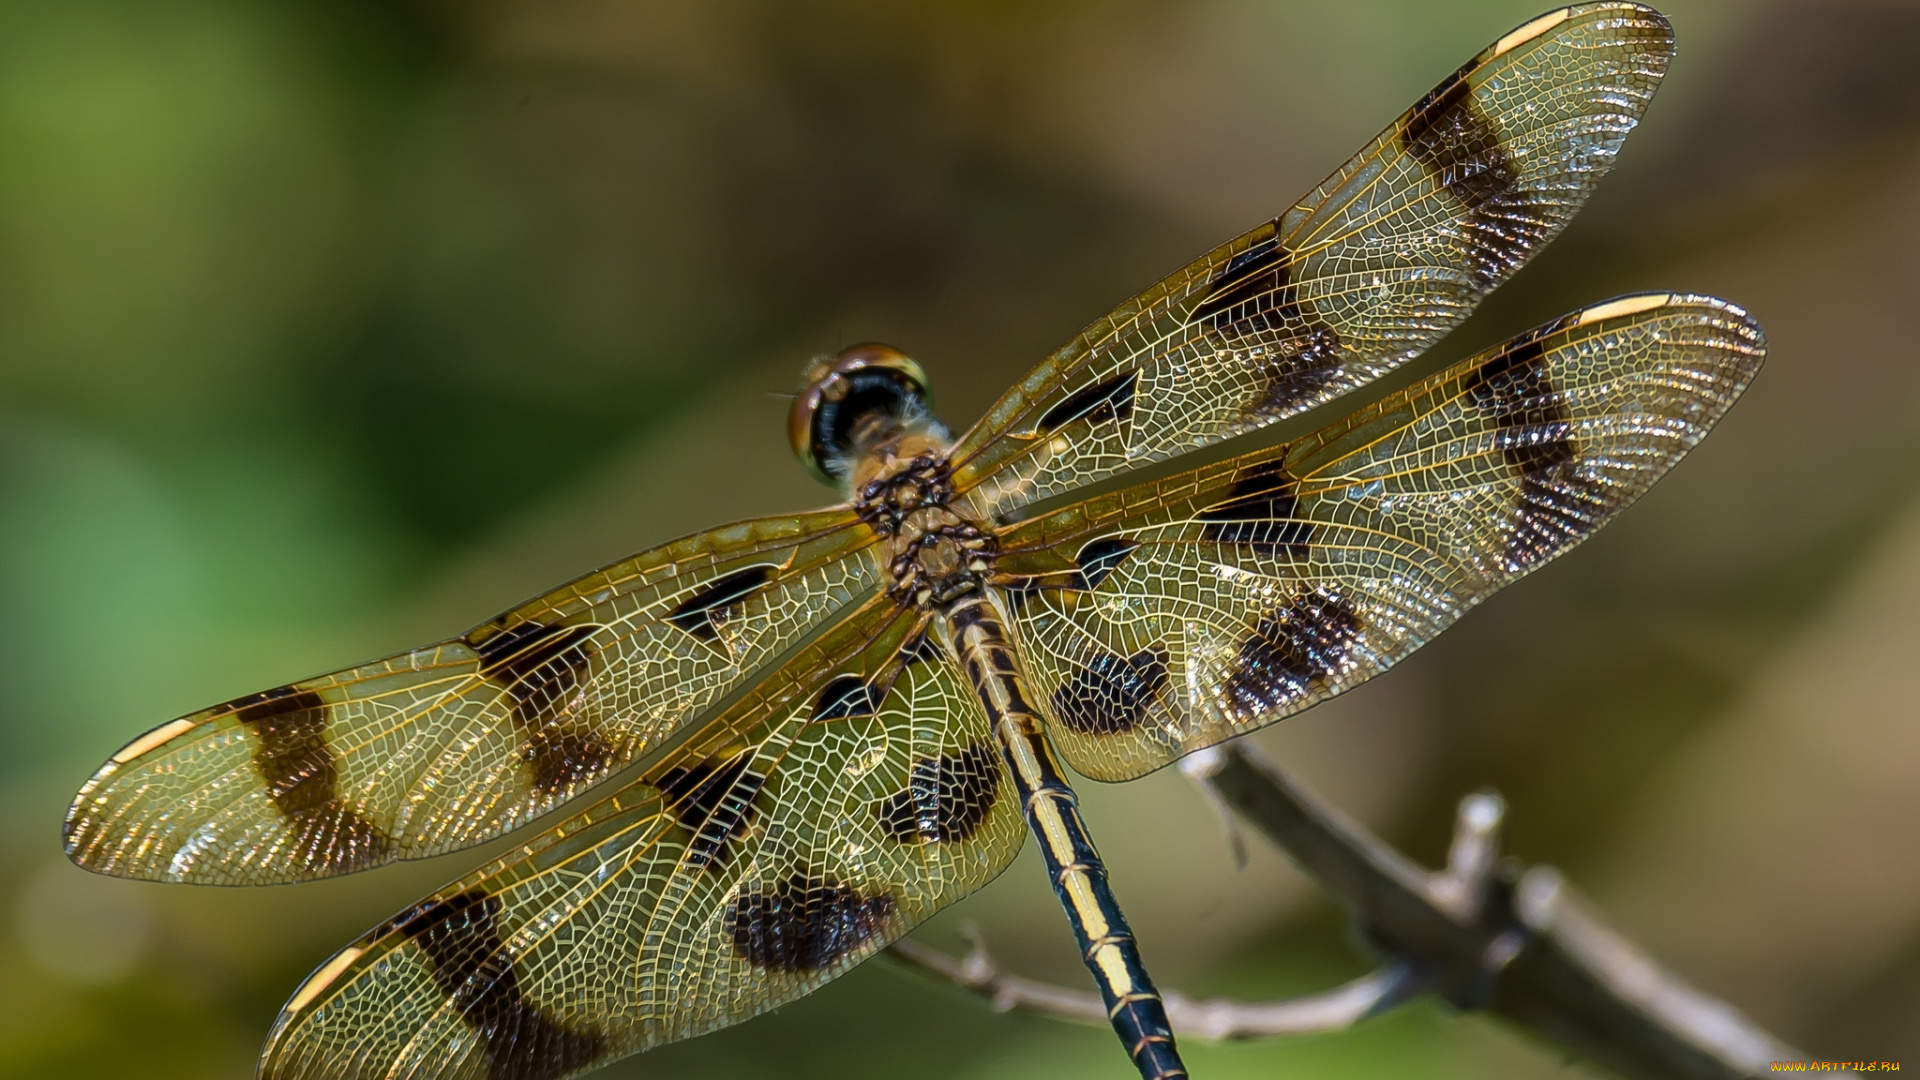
845 391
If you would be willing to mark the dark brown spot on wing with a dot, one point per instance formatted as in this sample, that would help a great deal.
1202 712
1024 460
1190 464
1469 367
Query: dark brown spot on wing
1110 694
703 613
946 800
845 696
1450 137
1293 651
1297 369
1096 560
804 923
1108 401
303 780
559 758
1100 558
523 652
713 801
292 755
460 936
541 667
1557 505
1254 284
1259 512
1254 305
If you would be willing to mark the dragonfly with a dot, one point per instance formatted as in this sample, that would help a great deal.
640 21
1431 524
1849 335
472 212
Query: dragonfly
805 734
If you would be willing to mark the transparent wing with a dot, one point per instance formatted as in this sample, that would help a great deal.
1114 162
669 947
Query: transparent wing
449 745
1169 616
849 796
1369 269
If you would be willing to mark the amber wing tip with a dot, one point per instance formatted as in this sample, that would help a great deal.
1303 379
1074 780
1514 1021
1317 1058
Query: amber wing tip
1541 25
74 827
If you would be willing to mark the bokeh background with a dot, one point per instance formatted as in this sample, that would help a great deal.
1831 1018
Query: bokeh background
328 328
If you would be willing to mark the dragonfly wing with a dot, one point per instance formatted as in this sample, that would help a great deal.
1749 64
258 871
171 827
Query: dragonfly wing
449 745
849 796
1368 270
1170 616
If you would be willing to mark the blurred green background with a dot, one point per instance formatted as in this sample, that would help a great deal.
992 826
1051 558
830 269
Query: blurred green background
331 328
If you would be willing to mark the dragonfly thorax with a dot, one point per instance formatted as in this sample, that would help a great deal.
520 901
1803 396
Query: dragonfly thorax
934 553
865 421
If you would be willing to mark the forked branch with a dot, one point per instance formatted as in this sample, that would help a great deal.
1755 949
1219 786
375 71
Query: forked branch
1483 934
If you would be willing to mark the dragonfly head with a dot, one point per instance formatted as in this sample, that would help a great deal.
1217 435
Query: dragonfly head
856 402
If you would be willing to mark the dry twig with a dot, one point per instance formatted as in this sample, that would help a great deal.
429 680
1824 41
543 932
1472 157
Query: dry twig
1482 934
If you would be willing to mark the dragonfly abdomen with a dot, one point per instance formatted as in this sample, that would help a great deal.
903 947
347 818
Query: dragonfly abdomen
1052 810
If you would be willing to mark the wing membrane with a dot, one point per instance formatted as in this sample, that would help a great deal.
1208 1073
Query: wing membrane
1373 266
1169 616
449 745
843 801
